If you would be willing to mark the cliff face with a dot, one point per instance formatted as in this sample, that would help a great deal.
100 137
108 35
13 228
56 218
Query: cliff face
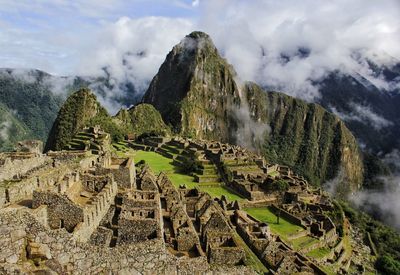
306 137
75 113
195 89
195 92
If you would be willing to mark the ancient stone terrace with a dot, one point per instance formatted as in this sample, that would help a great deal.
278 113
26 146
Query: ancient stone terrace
90 139
14 165
287 194
195 225
77 203
107 202
273 252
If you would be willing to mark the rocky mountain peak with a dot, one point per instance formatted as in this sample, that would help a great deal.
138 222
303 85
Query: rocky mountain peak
193 89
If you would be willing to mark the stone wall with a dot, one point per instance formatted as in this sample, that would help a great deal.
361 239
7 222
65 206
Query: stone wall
66 256
15 167
95 211
225 255
46 177
61 213
123 170
286 215
137 230
102 236
94 184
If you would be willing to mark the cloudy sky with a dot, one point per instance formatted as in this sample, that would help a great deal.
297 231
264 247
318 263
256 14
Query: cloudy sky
285 44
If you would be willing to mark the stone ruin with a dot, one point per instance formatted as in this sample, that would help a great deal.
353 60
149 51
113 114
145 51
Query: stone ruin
79 204
253 178
109 211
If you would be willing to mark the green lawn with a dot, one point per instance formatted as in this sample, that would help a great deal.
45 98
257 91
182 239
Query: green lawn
251 258
303 242
274 173
319 252
218 191
284 228
160 163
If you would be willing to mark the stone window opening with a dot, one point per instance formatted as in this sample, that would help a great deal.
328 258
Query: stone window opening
62 223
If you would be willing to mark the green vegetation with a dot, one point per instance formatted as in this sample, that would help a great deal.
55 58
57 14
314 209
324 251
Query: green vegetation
319 252
385 239
218 191
280 185
388 265
11 129
303 242
142 119
251 259
107 124
31 103
284 228
79 110
159 163
305 137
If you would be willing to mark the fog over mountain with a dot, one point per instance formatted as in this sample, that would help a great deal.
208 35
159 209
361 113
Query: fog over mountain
286 45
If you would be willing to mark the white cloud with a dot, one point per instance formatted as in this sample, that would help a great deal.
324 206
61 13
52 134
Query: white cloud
196 3
285 45
363 114
4 130
131 50
254 36
383 202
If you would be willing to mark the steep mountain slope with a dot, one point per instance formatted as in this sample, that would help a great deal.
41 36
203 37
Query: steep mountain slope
371 113
27 95
11 129
195 91
76 112
306 137
142 119
82 109
34 98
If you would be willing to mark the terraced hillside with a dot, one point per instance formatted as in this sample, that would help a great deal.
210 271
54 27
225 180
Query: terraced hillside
172 159
214 169
89 139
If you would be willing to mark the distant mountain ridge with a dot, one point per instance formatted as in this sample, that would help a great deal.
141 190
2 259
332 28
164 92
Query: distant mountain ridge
195 90
360 103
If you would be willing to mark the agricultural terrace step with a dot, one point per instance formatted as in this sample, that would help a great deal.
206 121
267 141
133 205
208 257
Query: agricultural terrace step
172 149
200 179
164 153
210 184
80 141
137 146
240 163
151 143
208 171
182 158
245 168
87 135
207 166
176 144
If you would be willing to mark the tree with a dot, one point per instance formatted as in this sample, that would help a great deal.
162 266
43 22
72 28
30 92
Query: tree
387 265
